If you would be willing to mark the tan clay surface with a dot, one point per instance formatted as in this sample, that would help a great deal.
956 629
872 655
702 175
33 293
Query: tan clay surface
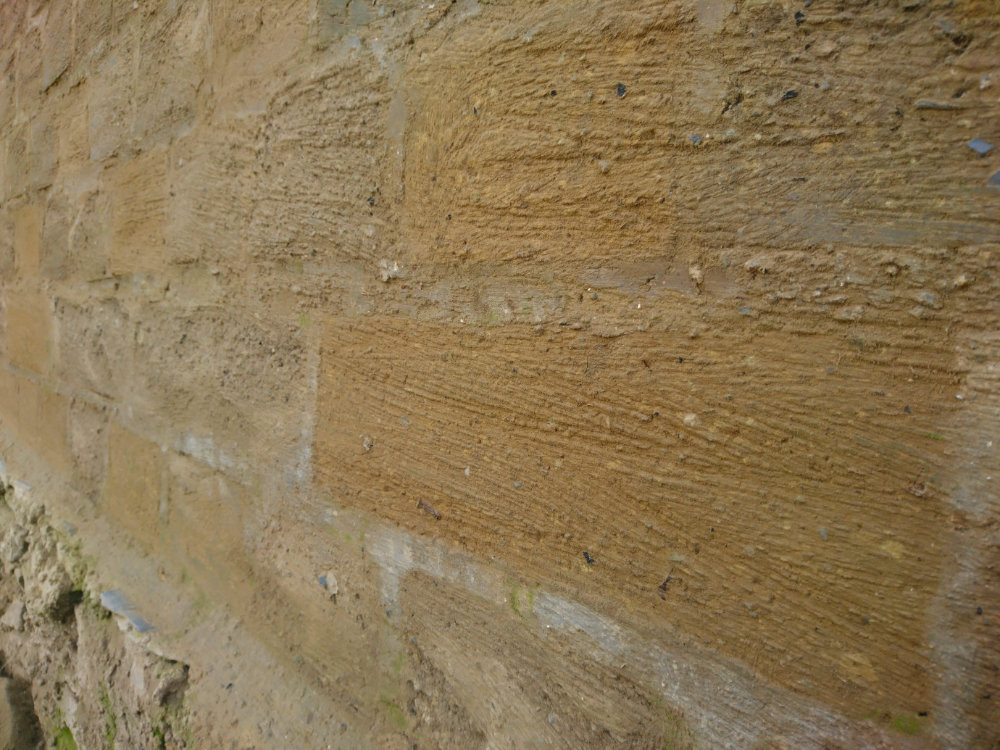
502 374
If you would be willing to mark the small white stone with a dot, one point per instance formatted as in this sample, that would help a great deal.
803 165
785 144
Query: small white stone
13 618
388 270
332 587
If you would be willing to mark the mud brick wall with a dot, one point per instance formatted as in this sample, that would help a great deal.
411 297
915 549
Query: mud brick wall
516 373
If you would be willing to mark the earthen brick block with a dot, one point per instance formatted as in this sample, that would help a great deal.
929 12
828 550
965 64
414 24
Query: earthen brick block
48 434
7 258
614 467
57 47
87 437
29 68
28 240
7 78
16 155
111 76
37 416
8 400
43 154
138 212
29 329
166 83
73 137
205 520
135 485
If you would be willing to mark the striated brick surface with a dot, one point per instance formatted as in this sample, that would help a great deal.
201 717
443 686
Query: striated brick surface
513 373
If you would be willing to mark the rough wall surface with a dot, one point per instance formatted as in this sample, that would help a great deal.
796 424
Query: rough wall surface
502 374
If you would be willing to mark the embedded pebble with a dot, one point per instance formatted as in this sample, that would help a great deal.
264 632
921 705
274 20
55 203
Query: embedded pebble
329 581
980 146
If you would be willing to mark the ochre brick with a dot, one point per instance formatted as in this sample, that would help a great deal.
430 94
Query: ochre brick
166 87
87 442
29 69
94 26
28 239
42 152
110 78
73 137
57 51
204 525
7 78
8 400
16 153
138 214
11 25
90 236
60 215
37 416
745 481
135 485
29 330
95 344
217 371
48 434
6 239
